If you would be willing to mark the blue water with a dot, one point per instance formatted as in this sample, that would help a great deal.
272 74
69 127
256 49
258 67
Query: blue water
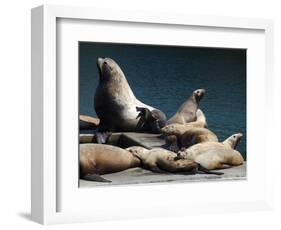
165 76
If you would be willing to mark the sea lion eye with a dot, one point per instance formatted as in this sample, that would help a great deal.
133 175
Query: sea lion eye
197 92
105 62
234 136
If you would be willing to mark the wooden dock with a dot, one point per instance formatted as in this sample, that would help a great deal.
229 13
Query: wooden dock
128 139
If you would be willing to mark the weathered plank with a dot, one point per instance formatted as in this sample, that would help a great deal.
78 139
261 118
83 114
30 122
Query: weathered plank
128 139
146 140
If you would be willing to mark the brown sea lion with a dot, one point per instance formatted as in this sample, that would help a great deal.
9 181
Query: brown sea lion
97 159
215 155
179 129
115 102
186 135
187 111
161 160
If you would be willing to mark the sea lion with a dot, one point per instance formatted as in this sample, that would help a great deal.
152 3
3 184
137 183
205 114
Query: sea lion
215 155
97 159
185 135
187 111
179 129
193 136
114 101
162 161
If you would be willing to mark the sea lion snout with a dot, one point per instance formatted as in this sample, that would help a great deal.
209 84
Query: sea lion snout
100 62
237 137
199 93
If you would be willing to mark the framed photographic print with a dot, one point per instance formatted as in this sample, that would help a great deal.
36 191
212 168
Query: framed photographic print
133 112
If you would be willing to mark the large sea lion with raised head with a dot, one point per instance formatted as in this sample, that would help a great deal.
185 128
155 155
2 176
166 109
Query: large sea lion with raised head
187 111
215 155
97 159
115 102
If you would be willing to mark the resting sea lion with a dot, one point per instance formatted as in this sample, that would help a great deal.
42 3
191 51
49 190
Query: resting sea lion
187 111
179 129
97 159
161 160
186 135
115 102
215 155
191 137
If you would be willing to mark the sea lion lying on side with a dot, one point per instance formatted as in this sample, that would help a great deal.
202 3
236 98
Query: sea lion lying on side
97 159
215 155
162 161
191 137
186 135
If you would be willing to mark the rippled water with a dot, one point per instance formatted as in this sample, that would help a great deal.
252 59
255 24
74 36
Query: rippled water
164 77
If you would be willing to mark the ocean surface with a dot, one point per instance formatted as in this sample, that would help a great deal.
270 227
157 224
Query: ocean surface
165 76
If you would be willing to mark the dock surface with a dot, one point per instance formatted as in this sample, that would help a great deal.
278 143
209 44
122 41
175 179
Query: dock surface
143 176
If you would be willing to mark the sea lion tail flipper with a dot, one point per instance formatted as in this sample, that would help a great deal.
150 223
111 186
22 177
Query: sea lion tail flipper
94 177
203 170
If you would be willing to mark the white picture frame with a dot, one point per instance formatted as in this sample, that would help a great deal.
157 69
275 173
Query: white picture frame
55 199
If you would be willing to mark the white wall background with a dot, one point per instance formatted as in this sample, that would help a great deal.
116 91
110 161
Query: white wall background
15 111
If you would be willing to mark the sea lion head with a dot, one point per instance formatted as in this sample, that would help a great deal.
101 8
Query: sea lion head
233 140
169 129
109 69
198 94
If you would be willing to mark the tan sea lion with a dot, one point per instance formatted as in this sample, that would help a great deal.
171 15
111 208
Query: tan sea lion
191 137
179 129
97 159
161 160
115 102
186 135
215 155
187 111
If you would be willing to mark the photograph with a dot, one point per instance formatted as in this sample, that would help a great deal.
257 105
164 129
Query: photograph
161 114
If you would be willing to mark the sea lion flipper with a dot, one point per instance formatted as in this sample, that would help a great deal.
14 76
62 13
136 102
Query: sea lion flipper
207 171
156 169
102 137
94 177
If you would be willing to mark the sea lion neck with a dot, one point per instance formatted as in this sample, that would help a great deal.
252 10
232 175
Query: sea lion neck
231 143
